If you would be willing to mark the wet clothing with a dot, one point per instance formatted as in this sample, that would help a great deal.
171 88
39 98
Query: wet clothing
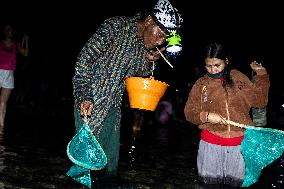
113 53
223 162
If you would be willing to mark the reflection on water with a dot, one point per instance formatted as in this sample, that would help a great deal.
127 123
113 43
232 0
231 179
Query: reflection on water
32 154
2 151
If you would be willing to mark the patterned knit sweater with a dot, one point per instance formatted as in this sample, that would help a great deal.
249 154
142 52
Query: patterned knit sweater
111 54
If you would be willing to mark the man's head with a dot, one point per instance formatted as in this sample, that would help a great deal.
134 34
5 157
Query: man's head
153 34
161 25
168 18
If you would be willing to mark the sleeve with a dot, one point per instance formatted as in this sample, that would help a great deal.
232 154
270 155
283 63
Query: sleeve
86 61
193 105
255 92
262 84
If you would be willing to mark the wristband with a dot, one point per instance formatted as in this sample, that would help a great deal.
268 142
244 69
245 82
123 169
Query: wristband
207 117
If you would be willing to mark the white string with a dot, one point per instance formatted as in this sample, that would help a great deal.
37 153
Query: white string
249 126
165 58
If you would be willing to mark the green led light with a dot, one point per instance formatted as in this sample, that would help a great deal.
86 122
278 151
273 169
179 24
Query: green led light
173 39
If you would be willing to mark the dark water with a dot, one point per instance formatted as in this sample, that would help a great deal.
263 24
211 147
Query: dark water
33 143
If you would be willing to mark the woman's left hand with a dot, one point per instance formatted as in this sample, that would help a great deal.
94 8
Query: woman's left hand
258 68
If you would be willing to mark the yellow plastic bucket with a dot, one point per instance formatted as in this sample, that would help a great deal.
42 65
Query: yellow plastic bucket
145 93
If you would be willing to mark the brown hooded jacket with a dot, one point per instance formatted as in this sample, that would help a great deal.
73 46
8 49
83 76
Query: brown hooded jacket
233 103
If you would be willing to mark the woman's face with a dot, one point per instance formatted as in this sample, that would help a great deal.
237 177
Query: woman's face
153 35
8 31
214 65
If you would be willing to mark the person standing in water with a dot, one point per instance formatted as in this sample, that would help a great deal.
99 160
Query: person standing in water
223 94
9 49
120 48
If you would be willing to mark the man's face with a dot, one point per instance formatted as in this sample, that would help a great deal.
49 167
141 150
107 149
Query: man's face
153 36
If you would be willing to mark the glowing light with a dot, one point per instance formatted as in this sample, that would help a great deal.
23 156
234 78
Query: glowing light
174 46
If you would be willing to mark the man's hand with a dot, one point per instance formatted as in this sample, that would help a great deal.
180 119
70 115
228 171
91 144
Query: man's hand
86 108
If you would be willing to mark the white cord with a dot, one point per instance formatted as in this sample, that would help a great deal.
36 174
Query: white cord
165 58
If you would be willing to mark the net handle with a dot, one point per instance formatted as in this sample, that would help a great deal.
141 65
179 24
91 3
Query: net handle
244 126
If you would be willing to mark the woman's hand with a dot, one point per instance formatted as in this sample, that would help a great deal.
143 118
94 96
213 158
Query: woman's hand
258 68
215 118
25 40
86 108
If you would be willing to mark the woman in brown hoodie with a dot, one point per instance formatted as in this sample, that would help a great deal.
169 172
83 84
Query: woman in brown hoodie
223 94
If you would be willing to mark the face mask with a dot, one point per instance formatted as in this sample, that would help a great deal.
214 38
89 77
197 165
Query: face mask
217 75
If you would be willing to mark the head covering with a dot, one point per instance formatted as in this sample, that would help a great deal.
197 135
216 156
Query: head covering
167 15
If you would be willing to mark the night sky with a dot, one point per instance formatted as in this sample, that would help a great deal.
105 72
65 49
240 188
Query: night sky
251 29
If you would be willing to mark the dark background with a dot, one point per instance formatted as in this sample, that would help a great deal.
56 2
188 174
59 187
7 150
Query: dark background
58 30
